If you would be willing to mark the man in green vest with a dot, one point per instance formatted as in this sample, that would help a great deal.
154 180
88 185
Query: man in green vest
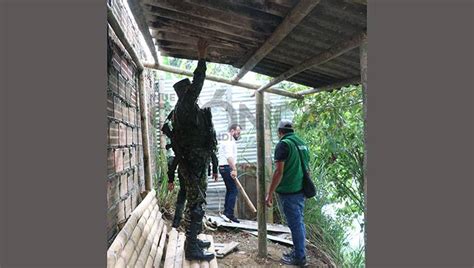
287 182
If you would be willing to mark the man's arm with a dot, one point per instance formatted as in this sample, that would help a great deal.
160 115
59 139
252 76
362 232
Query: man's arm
200 72
171 170
215 164
277 175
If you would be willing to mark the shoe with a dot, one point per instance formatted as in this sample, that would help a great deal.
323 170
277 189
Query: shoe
291 260
233 218
290 253
203 244
192 250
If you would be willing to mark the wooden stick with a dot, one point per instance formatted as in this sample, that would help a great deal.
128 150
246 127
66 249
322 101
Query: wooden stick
174 70
246 197
319 59
145 134
296 15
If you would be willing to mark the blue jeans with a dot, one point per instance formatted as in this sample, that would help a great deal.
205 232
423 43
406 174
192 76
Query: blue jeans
231 190
293 207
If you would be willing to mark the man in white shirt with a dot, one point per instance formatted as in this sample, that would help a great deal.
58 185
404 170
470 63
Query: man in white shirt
228 169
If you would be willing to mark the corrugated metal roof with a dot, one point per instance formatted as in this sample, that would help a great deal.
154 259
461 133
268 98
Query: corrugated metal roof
237 28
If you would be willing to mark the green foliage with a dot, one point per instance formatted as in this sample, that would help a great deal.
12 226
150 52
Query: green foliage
331 123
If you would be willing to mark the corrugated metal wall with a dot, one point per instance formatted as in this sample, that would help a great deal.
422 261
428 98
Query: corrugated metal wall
229 105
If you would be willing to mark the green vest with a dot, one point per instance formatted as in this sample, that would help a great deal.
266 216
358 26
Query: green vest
292 179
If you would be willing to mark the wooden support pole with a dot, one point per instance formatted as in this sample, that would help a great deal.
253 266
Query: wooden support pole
338 85
222 80
145 137
112 20
319 59
363 77
261 207
296 15
140 19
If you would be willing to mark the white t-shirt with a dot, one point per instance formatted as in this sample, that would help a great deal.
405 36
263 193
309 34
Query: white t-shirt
227 148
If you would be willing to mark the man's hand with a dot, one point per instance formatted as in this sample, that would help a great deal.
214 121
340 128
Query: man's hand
269 199
202 46
233 174
215 177
170 186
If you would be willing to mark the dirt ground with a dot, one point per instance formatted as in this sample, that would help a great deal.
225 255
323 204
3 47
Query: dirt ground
245 255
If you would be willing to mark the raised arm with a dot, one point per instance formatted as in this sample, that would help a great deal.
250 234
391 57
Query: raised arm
200 72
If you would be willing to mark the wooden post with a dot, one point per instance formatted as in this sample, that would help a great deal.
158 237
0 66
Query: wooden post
144 125
268 149
363 76
261 207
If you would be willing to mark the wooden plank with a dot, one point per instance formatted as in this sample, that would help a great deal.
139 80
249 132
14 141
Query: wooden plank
161 246
171 248
178 262
297 14
208 13
275 238
319 59
153 11
224 249
213 262
246 224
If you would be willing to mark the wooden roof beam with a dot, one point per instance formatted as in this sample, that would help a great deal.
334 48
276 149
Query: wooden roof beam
319 59
337 85
296 15
174 70
140 19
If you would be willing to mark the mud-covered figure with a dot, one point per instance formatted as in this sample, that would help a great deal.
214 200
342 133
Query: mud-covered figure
193 142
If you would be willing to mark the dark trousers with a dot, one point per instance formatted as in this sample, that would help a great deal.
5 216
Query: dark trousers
231 190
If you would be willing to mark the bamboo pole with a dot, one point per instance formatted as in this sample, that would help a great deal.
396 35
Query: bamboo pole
319 59
296 15
261 212
155 244
145 134
363 72
338 85
174 70
161 247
